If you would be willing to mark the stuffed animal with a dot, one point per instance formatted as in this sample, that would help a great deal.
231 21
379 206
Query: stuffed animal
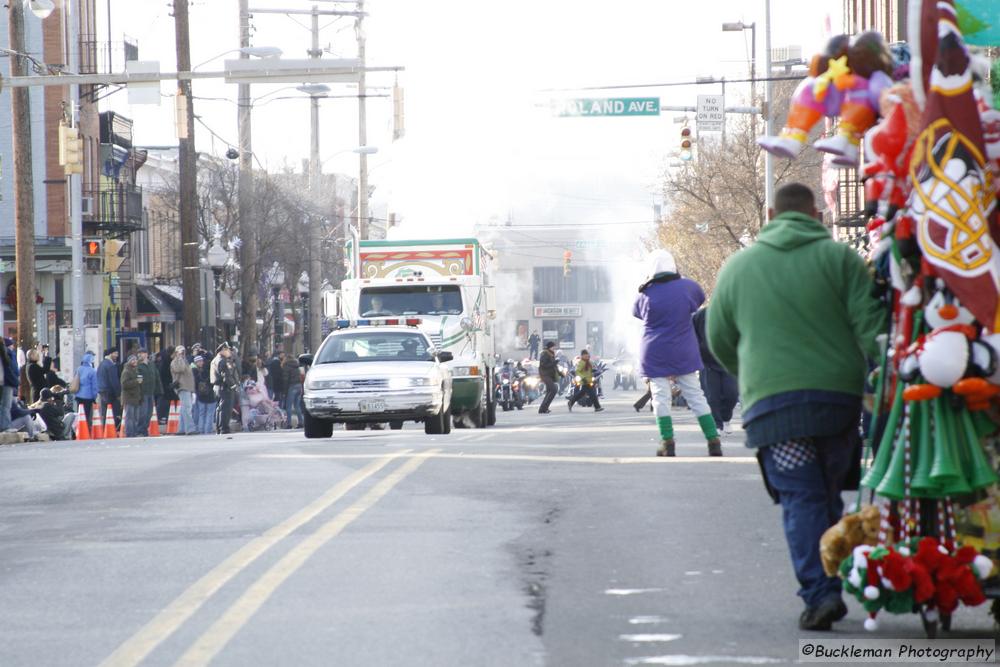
839 540
846 80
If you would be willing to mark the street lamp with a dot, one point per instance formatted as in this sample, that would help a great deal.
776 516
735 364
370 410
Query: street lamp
737 27
217 259
277 280
303 287
40 8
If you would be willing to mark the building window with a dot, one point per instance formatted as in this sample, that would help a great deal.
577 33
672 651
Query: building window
584 284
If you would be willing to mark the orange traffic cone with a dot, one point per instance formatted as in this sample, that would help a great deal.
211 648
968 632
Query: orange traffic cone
109 424
96 425
82 430
174 419
154 425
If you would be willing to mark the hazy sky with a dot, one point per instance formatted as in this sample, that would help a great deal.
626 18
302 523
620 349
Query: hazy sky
480 139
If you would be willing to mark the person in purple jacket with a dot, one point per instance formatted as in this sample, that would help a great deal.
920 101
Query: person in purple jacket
669 349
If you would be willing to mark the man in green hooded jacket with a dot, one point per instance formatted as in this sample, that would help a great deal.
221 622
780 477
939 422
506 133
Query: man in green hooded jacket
793 317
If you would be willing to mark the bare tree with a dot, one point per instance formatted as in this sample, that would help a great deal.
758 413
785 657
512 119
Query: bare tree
715 203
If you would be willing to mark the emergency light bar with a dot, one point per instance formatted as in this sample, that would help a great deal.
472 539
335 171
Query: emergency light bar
392 322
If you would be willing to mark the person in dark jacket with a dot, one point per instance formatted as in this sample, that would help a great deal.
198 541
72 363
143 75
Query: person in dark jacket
293 390
109 387
136 420
167 394
548 372
204 396
50 365
151 388
226 381
10 382
58 424
721 388
21 419
669 349
276 377
36 375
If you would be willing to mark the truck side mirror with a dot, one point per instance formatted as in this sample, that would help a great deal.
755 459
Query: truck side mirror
445 356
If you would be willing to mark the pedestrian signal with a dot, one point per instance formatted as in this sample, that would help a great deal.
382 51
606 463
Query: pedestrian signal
686 145
92 249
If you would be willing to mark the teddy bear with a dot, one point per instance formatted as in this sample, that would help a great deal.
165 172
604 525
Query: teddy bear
852 530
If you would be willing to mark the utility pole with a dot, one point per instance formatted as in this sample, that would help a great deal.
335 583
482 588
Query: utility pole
74 185
362 129
315 275
248 230
24 203
768 111
188 162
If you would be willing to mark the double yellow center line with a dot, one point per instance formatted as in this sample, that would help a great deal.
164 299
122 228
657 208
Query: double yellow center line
207 646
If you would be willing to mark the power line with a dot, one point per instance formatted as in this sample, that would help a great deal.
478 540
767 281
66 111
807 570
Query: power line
676 83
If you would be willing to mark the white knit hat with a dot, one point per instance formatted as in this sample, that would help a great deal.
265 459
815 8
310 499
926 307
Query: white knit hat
660 261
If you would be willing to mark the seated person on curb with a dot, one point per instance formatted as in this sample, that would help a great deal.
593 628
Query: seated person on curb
58 424
21 419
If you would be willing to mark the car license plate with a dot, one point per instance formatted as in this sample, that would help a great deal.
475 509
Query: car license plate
372 405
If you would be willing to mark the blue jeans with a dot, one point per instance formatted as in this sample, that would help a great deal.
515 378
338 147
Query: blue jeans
6 398
134 423
205 420
807 477
293 404
187 425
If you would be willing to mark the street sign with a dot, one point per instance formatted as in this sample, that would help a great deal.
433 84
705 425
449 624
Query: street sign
711 114
609 106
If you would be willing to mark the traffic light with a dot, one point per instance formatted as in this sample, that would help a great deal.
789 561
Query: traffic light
685 153
567 256
70 149
115 254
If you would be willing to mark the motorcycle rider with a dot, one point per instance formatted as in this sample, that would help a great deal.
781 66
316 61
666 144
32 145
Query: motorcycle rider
585 371
548 371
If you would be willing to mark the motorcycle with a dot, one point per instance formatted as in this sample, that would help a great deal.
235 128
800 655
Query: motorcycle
509 388
625 377
576 381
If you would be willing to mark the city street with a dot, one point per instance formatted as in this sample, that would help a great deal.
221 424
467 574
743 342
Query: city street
552 540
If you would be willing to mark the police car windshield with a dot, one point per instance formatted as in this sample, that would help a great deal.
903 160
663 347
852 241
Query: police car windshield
375 345
411 300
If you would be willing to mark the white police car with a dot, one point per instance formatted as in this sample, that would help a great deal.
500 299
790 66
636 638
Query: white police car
376 371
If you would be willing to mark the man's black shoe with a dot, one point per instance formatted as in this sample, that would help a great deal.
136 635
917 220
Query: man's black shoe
544 412
823 616
598 409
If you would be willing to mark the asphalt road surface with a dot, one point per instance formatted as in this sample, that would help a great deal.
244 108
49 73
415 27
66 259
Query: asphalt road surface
548 540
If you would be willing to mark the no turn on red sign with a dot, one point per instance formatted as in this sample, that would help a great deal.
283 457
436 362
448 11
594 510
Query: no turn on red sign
711 113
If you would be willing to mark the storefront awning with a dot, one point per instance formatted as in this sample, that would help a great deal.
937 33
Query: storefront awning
156 305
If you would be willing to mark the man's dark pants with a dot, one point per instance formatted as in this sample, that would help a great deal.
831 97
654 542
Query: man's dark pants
551 389
116 407
589 390
807 476
224 411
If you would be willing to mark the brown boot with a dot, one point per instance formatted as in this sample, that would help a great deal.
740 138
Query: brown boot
666 447
715 447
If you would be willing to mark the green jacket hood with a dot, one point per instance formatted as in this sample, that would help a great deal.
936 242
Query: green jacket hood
792 230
